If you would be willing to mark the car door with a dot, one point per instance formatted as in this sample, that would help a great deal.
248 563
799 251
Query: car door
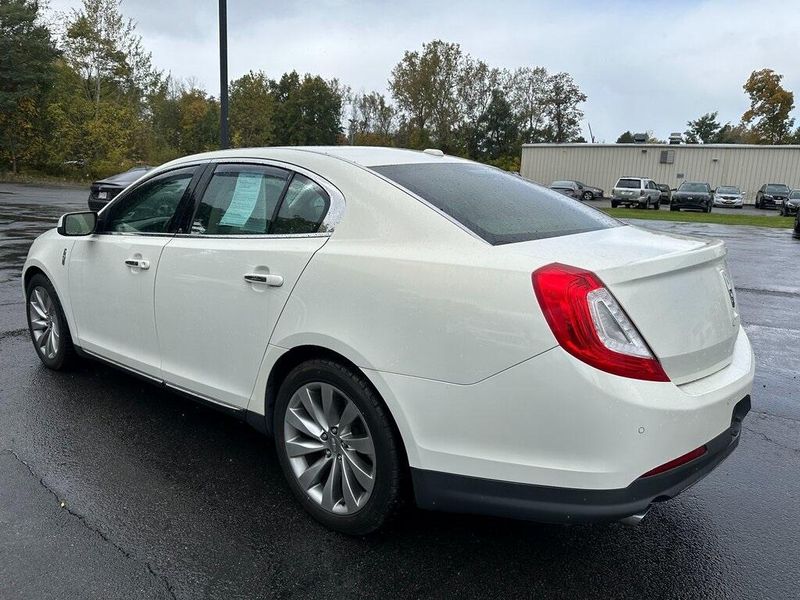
221 286
112 273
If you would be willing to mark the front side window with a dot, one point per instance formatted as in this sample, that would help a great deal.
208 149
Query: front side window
499 207
240 200
303 209
150 207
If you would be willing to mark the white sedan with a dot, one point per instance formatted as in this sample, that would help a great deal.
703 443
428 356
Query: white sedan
396 318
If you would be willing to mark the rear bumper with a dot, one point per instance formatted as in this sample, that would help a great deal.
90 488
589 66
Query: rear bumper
459 493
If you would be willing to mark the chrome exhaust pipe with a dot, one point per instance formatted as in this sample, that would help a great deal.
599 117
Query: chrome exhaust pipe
634 520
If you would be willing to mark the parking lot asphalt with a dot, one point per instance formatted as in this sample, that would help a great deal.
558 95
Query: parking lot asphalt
112 488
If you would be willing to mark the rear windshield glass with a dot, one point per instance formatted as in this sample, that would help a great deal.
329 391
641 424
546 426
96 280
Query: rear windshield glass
499 207
629 183
777 189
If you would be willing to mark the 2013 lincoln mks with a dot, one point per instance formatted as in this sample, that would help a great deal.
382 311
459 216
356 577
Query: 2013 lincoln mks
403 320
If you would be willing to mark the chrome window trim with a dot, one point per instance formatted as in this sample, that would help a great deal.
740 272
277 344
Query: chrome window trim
332 218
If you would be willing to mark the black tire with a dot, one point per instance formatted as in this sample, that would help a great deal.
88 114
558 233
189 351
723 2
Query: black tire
614 204
385 496
758 203
674 209
783 211
587 195
657 205
64 356
740 207
708 210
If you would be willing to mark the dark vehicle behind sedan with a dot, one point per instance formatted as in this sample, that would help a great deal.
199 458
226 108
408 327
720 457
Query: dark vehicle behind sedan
772 195
791 204
104 190
666 193
692 195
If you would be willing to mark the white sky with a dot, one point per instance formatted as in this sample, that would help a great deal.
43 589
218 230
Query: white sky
644 65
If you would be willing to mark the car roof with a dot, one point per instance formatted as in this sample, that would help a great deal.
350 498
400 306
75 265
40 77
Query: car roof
365 156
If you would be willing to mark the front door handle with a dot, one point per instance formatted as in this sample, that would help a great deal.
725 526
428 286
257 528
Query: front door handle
267 278
138 263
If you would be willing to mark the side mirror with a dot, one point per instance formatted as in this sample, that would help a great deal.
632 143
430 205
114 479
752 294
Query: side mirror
78 223
744 193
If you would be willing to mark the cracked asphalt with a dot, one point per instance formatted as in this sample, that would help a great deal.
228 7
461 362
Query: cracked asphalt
112 488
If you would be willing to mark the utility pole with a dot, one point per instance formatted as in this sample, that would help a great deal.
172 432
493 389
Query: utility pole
224 141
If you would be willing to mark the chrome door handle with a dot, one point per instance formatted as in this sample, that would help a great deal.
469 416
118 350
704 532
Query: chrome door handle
138 263
269 279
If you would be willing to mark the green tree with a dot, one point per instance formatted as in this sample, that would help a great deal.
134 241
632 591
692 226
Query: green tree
498 133
27 52
561 107
703 130
198 121
251 112
372 120
770 105
425 86
529 93
625 138
307 111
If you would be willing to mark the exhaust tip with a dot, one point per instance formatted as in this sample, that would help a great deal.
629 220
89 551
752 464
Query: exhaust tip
634 520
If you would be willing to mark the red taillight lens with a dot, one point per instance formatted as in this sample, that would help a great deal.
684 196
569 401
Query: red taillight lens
588 323
677 462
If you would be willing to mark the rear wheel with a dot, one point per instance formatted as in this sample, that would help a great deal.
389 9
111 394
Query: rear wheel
674 209
614 204
47 324
587 195
337 447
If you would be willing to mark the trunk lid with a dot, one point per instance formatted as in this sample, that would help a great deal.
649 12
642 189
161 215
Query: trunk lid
677 291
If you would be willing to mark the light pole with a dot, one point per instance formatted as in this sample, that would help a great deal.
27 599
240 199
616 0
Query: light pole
224 142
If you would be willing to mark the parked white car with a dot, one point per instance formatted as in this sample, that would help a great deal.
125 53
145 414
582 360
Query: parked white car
384 312
636 192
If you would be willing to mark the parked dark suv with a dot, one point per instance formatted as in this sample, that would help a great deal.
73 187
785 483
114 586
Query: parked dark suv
692 195
666 193
772 195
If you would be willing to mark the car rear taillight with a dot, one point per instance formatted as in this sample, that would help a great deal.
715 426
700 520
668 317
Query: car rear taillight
677 462
588 322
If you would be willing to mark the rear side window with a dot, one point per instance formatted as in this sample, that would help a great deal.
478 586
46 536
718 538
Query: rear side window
240 200
303 208
499 207
629 183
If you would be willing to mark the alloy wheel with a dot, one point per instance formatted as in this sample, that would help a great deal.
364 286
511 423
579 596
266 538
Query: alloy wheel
330 448
44 322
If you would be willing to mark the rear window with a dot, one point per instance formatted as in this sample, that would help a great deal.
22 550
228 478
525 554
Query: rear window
629 183
499 207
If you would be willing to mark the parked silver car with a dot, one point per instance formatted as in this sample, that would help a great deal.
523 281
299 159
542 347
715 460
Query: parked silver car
636 192
568 188
728 196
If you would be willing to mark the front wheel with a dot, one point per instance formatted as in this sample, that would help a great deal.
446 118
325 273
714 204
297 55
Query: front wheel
337 447
614 204
588 196
47 324
674 209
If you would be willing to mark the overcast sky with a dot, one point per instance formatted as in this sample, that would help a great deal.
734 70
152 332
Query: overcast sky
643 65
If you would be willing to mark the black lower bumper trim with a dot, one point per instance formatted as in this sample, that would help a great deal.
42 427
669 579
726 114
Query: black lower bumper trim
459 493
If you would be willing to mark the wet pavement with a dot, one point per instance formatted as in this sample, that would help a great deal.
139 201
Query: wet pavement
112 488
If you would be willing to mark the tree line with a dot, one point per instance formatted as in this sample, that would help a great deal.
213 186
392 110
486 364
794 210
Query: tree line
82 96
766 121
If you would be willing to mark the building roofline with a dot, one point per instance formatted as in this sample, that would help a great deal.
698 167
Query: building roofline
672 146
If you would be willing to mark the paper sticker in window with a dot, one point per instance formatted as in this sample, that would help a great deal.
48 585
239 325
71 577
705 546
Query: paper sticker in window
245 197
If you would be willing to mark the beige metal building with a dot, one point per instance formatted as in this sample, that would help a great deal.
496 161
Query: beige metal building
746 166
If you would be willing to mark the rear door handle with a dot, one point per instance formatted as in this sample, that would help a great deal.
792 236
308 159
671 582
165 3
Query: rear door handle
138 263
269 279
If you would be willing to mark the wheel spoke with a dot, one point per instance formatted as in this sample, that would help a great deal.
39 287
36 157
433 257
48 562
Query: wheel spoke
38 323
50 350
358 469
43 339
348 494
300 447
328 408
362 445
312 475
37 304
349 414
312 408
304 425
329 501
